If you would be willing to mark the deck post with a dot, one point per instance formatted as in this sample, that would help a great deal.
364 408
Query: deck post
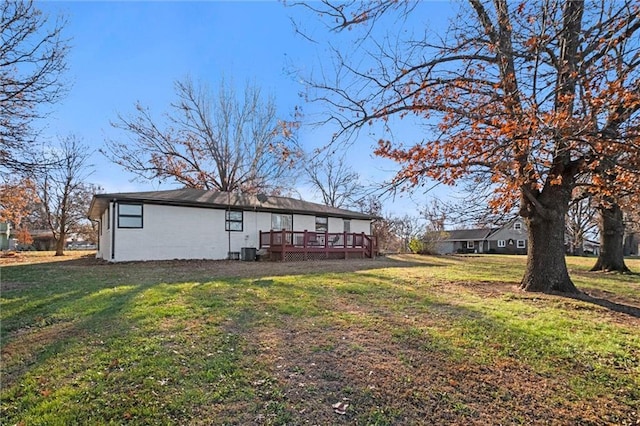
305 240
283 241
364 245
326 244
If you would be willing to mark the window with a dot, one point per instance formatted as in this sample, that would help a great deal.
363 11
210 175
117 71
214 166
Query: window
470 244
281 221
129 215
517 226
233 220
521 244
322 224
502 243
346 225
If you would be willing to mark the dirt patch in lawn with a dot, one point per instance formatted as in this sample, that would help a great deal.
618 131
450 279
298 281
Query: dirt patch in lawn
389 381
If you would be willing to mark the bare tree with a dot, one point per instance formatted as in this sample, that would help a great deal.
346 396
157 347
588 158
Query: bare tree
516 94
581 223
382 227
64 193
407 227
435 215
32 62
334 180
218 141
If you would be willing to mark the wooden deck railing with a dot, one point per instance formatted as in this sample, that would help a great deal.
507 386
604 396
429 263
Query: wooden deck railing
303 245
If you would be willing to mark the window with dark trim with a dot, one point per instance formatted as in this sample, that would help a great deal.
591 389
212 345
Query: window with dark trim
322 224
233 220
129 215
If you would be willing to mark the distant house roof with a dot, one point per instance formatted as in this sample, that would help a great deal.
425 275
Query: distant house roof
469 234
189 197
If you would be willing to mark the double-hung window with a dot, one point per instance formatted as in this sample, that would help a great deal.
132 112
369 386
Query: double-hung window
281 221
322 224
233 220
129 215
521 244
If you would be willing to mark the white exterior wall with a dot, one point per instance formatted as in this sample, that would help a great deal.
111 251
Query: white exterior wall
177 232
104 239
300 223
335 224
171 232
359 226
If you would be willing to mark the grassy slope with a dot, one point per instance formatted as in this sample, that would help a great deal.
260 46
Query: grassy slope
445 339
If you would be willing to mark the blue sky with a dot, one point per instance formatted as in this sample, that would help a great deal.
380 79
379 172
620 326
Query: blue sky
123 52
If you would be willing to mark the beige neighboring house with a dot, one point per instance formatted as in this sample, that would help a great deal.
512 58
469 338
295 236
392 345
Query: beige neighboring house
200 224
508 239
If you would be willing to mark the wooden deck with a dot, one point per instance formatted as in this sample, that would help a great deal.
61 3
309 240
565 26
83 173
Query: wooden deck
307 245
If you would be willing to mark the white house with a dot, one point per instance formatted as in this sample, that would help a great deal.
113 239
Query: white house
200 224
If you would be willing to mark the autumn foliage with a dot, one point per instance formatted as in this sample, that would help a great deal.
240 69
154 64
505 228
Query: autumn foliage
17 197
534 98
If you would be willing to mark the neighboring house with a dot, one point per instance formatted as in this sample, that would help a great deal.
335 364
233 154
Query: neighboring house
43 240
508 239
5 236
199 224
632 244
590 247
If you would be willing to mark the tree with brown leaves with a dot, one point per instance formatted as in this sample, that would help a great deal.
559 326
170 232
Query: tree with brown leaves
518 94
17 202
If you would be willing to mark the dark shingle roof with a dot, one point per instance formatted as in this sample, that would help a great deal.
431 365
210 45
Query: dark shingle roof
469 234
211 199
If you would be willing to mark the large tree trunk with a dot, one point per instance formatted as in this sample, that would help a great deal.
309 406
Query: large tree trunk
546 266
60 245
611 257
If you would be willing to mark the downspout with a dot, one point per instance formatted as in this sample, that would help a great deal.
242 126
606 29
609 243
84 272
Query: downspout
226 219
113 229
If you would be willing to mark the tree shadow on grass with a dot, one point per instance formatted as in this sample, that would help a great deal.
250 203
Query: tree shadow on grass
622 308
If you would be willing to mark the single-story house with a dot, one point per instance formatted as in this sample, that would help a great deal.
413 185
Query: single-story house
201 224
5 236
632 244
508 239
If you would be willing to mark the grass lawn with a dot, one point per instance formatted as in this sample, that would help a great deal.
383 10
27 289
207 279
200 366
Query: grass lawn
401 340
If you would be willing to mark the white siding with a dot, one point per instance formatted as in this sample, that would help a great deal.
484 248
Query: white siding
171 232
358 226
104 239
177 232
302 222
